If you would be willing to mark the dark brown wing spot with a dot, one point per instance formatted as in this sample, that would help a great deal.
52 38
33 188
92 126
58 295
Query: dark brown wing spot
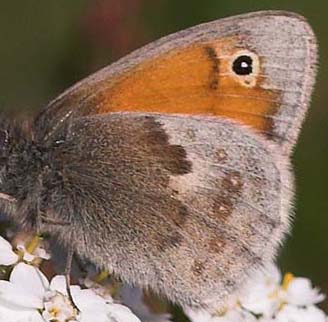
229 189
214 72
233 183
223 207
216 245
173 158
198 267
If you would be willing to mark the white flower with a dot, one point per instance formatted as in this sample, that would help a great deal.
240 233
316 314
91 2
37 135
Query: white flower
20 296
299 291
58 307
261 296
268 293
290 313
269 298
28 292
25 288
38 252
31 249
119 313
89 303
7 255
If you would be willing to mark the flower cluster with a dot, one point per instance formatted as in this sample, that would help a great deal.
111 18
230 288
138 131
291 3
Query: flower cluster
271 298
28 296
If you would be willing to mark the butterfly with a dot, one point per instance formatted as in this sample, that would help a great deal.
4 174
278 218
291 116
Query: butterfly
171 167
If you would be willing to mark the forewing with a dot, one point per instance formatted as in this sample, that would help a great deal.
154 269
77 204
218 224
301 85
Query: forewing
192 204
191 72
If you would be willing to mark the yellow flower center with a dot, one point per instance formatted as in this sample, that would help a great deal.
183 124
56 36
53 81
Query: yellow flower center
33 244
286 281
102 276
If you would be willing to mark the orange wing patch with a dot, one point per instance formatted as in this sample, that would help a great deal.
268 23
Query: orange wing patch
194 80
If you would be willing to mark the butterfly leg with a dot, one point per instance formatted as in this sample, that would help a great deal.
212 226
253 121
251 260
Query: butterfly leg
69 260
44 218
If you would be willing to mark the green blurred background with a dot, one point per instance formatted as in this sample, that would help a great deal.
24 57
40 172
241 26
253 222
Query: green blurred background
48 45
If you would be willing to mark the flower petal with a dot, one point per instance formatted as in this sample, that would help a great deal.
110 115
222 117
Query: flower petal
89 316
15 315
16 295
87 300
30 278
297 314
7 255
300 292
260 299
120 313
42 253
30 317
58 283
58 307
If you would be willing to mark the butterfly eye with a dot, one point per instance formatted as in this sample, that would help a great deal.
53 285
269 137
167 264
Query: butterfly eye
243 65
4 139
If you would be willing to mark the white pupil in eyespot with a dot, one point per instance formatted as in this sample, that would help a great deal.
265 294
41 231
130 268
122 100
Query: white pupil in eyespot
243 65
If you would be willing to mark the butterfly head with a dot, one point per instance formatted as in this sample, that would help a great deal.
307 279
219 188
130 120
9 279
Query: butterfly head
16 164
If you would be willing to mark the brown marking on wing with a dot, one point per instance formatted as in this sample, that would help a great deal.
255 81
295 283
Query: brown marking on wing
129 168
182 81
229 189
223 206
233 183
198 267
165 160
216 245
172 157
214 74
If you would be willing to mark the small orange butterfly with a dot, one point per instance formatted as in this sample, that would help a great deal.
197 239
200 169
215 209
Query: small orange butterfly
171 166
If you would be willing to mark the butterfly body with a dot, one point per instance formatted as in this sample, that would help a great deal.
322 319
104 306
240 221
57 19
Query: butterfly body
187 195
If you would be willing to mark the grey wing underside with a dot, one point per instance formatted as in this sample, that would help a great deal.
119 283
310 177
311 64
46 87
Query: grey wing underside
191 200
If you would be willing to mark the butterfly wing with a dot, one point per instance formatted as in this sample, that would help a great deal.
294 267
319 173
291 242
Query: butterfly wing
186 205
201 71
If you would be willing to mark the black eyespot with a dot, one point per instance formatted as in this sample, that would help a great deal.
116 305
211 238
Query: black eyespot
243 65
4 138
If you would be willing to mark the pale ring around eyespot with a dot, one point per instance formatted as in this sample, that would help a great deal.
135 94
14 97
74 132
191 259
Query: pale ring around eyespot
250 79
